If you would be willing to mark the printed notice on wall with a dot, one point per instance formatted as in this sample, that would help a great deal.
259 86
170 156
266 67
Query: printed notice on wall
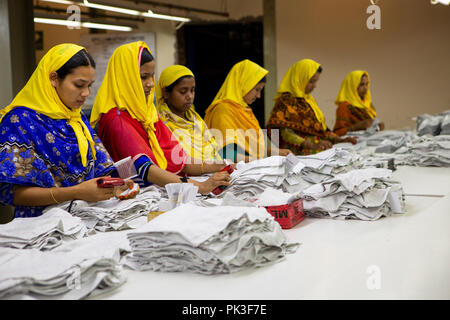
102 46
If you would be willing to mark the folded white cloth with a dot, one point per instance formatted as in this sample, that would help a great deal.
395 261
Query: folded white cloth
60 273
114 214
45 232
178 193
365 194
208 240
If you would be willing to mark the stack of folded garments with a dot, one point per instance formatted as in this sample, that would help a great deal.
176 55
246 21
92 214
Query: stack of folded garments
252 178
433 124
203 240
44 232
75 274
445 124
389 141
324 165
429 151
115 214
290 174
365 194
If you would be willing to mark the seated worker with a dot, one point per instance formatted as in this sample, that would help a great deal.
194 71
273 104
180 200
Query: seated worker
355 109
296 114
129 124
48 151
175 92
231 119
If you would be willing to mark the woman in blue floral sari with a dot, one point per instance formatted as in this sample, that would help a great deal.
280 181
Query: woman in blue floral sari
49 153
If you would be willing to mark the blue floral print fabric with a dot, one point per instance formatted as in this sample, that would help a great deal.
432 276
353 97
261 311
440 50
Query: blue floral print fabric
36 150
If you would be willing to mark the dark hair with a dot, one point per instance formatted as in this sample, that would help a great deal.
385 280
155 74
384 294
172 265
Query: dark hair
146 56
263 80
319 70
170 87
81 58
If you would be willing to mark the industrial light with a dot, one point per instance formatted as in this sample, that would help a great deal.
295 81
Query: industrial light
76 24
148 14
111 8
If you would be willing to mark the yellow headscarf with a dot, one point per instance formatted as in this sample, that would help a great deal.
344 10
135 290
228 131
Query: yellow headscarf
122 88
349 92
40 96
241 79
192 134
295 81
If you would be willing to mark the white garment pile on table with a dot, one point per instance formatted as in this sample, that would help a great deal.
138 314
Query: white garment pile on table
387 141
206 240
45 232
438 124
428 151
424 151
365 194
252 178
114 214
60 274
322 166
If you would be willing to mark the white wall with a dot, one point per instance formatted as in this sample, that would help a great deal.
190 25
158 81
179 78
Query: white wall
408 59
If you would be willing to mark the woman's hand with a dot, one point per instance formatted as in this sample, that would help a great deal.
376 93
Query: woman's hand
221 178
90 192
284 152
362 125
129 185
352 140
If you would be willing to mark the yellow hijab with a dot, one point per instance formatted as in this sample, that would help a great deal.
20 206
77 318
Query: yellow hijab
192 134
40 96
122 88
241 79
295 81
349 92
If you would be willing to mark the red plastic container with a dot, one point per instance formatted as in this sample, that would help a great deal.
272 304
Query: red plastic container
288 215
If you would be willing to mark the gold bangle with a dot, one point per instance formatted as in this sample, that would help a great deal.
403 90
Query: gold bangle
53 197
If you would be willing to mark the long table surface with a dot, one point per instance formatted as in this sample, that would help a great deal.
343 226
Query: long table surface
403 256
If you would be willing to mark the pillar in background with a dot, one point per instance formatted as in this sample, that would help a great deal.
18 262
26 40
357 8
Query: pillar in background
270 56
17 47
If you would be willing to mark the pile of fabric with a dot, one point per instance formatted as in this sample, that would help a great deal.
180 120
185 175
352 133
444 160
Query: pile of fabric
82 271
45 232
114 214
365 194
438 124
429 151
252 178
203 240
324 165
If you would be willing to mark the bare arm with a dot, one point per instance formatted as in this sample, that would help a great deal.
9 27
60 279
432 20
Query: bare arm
162 177
87 191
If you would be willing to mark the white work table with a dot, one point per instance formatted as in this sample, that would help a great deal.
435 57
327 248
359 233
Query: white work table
404 256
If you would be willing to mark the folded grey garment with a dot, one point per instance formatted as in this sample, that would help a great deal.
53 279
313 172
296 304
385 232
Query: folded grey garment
113 214
445 124
190 238
427 124
35 274
45 232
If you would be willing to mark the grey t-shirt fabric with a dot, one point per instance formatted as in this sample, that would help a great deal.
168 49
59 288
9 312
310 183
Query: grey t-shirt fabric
113 214
207 240
434 125
45 232
82 271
